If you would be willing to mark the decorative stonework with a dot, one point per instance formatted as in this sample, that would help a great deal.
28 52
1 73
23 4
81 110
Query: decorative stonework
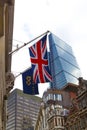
77 118
9 81
82 83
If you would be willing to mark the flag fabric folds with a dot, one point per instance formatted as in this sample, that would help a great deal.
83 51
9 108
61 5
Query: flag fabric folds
29 87
39 61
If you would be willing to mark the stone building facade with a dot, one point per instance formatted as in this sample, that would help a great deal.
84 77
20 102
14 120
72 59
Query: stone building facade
50 118
6 34
53 110
65 109
77 118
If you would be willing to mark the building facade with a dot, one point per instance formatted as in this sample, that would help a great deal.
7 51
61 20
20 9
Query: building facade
6 34
50 118
64 67
22 110
77 118
52 111
62 97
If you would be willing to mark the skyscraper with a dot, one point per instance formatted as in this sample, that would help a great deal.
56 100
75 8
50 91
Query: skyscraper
64 67
22 110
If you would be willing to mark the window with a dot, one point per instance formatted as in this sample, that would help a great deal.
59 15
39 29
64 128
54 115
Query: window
58 97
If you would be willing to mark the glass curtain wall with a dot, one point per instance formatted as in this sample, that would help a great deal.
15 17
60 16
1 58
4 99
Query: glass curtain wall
64 67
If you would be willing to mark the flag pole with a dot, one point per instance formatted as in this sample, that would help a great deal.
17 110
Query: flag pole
22 72
10 53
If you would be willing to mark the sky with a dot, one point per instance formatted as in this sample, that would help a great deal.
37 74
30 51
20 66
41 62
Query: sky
65 18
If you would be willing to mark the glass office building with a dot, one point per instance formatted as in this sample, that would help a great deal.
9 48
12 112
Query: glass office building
22 110
64 67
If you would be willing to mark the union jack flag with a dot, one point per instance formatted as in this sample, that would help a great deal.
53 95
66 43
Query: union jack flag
39 60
